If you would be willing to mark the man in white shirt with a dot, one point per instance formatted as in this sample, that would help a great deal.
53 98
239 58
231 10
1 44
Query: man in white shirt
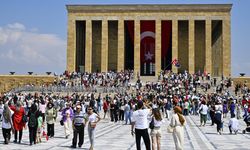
233 124
140 123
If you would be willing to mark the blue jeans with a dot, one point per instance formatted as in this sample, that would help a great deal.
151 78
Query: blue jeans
99 107
245 112
128 116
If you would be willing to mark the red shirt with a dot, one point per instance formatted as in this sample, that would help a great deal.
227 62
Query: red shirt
244 101
105 106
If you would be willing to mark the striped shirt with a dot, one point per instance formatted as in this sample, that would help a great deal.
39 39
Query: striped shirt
79 119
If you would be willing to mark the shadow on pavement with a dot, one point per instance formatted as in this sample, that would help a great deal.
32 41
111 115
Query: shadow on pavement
74 148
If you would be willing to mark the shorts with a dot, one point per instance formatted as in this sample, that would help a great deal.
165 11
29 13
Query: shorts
156 132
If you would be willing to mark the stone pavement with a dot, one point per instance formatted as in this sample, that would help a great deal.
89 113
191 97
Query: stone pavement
116 136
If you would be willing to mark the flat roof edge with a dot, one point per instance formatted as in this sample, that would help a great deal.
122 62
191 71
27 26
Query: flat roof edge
149 7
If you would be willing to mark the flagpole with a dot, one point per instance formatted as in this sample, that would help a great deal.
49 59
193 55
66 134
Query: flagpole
168 65
171 63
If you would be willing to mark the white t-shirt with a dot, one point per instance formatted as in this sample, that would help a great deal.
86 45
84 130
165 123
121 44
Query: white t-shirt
29 102
218 108
92 118
7 125
234 123
203 109
42 108
140 117
158 123
186 104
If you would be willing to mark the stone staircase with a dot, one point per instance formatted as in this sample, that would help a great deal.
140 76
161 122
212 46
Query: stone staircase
145 79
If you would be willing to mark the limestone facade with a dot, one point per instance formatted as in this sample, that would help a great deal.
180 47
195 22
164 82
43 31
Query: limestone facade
107 52
8 82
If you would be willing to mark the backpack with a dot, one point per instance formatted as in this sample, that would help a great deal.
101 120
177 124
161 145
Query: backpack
32 120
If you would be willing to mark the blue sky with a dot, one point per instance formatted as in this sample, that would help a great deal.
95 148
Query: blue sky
33 33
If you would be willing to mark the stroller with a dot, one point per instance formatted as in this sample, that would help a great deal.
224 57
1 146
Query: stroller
247 121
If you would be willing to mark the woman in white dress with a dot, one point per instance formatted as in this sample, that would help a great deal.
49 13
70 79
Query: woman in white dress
177 123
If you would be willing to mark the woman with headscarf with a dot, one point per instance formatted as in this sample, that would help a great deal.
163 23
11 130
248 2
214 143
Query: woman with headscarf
7 124
177 123
18 121
67 117
50 118
33 114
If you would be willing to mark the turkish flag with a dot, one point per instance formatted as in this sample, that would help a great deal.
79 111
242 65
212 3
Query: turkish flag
147 53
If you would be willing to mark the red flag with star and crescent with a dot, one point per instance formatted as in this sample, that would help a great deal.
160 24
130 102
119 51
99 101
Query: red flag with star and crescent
147 54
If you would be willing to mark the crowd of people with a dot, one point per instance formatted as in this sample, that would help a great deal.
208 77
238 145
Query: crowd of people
173 97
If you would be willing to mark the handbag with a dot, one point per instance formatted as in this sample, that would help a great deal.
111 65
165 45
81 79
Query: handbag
170 129
201 109
92 124
61 122
152 124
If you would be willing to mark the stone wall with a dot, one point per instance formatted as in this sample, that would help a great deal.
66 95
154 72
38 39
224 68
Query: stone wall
242 80
8 82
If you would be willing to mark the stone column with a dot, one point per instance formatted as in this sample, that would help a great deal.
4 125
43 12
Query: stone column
120 54
157 47
71 48
226 40
88 48
137 43
208 50
104 49
191 63
174 44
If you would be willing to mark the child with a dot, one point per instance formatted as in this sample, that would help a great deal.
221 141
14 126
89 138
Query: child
39 128
233 124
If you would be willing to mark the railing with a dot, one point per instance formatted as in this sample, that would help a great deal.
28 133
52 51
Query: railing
69 89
